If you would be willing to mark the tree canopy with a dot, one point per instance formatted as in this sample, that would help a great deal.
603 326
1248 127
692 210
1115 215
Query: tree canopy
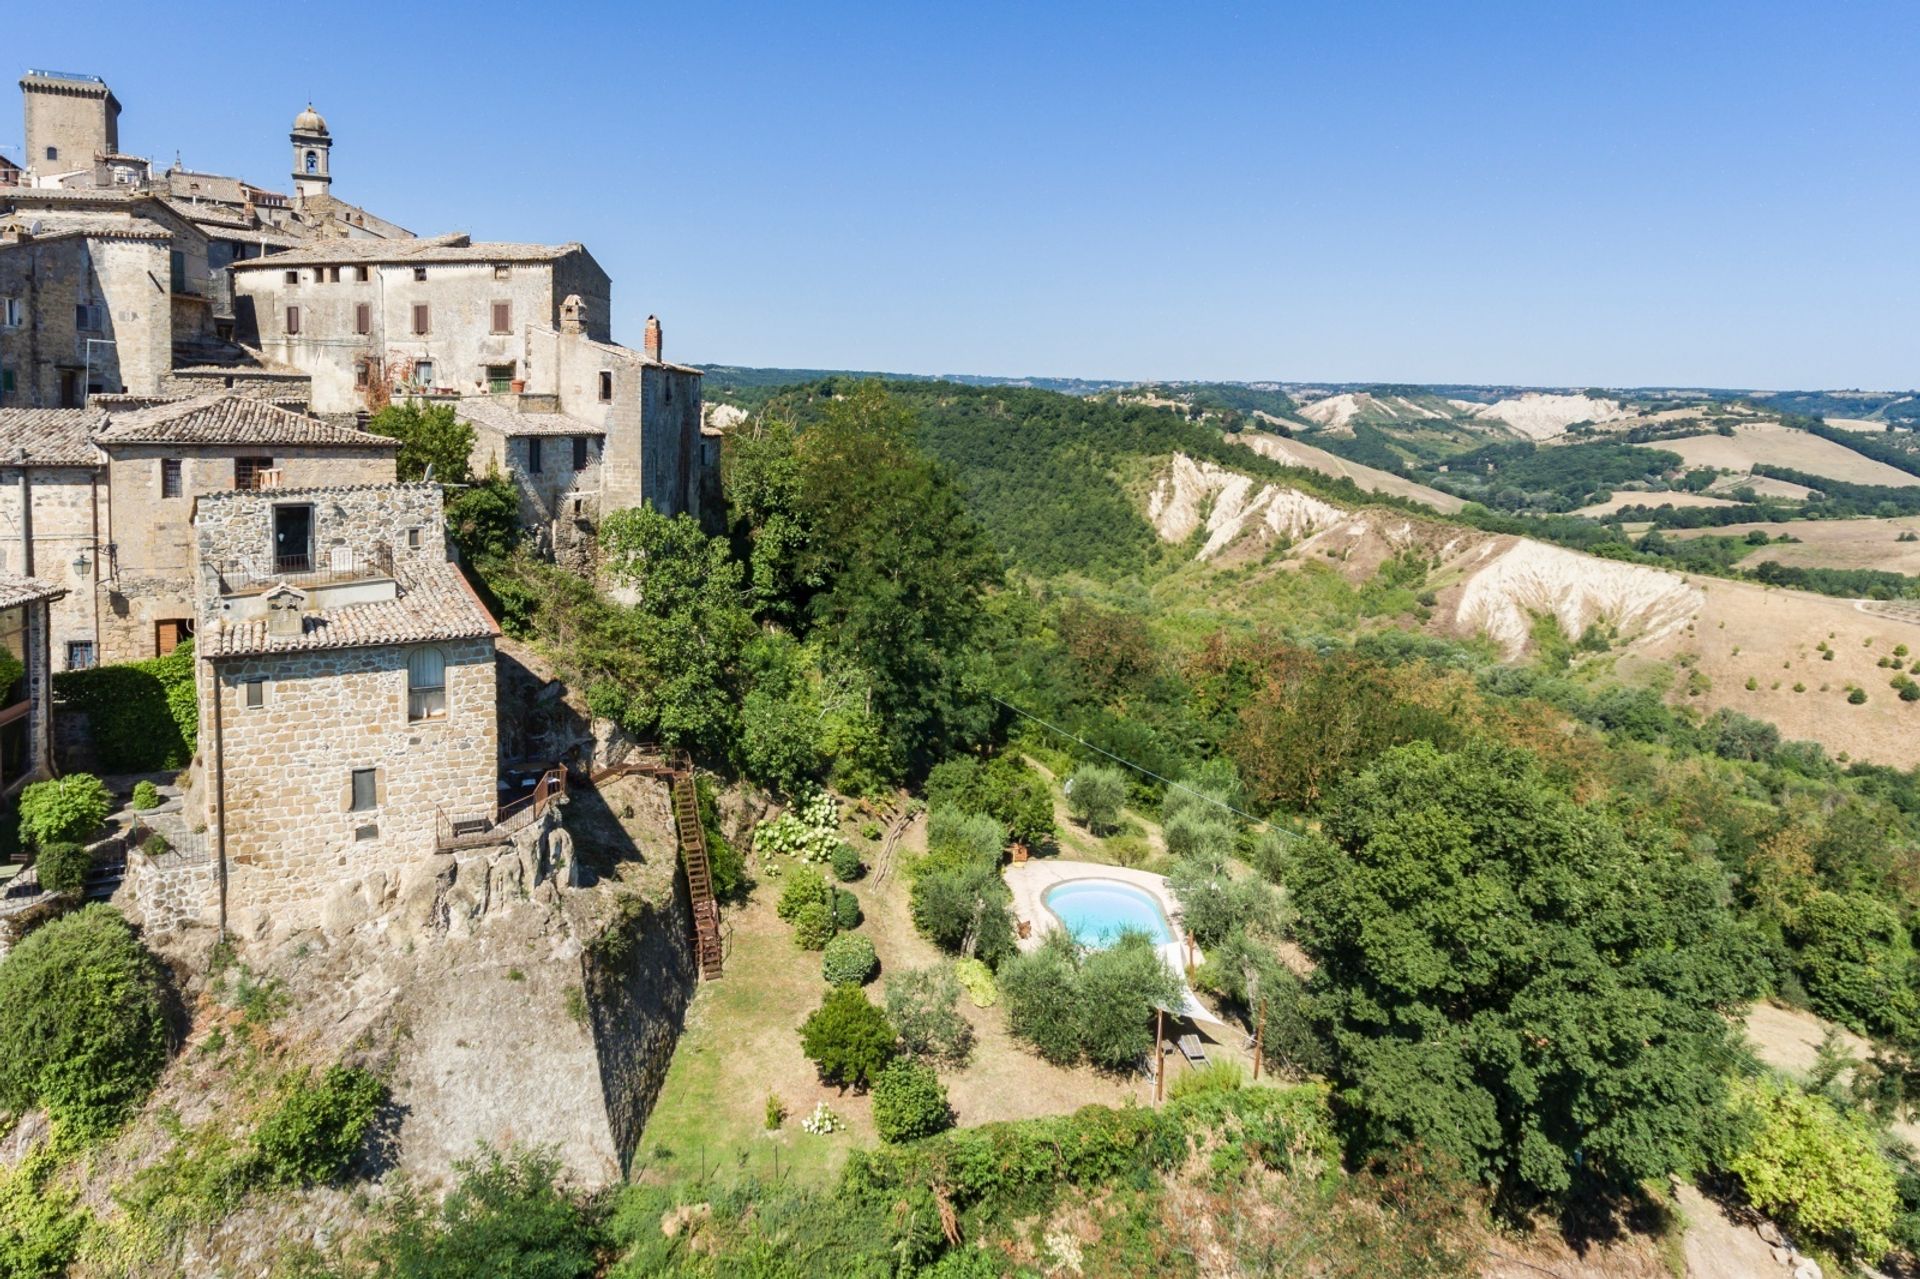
1510 980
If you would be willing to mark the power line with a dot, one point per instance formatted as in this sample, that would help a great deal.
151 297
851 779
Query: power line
1138 768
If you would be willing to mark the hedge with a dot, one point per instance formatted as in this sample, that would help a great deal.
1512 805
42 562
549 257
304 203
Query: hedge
145 715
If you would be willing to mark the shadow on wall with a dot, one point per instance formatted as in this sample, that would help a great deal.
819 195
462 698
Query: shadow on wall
638 976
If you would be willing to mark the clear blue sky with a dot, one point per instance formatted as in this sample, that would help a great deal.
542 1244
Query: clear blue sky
1549 193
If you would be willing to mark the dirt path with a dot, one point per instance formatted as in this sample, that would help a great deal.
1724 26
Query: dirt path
1716 1246
1788 1039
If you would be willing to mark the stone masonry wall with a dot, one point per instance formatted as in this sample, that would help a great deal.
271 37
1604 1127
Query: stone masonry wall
153 536
291 833
238 525
63 521
127 278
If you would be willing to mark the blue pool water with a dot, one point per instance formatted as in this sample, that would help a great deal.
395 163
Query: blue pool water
1097 911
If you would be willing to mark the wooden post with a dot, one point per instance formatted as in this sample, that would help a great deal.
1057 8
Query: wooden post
1259 1038
1159 1059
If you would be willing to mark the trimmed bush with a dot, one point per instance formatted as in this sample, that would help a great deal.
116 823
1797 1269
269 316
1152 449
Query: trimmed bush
977 980
849 960
848 1039
64 810
804 886
813 927
846 909
145 795
144 716
82 1028
312 1136
846 863
909 1102
63 867
921 1005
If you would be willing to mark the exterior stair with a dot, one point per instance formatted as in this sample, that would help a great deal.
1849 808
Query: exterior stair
676 768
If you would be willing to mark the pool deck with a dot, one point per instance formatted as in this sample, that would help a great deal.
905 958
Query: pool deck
1031 879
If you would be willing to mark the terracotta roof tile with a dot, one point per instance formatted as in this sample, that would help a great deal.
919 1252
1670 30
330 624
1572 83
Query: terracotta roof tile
15 589
435 248
232 419
436 605
49 437
508 420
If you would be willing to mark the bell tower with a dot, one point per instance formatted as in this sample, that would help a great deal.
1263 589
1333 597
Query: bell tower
311 143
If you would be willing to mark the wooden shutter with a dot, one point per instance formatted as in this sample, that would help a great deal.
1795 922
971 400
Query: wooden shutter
502 317
420 317
363 318
293 320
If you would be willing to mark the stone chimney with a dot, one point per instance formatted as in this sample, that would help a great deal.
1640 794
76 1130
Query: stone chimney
652 345
284 607
573 314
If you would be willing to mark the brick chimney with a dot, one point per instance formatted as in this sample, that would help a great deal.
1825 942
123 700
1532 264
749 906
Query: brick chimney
652 345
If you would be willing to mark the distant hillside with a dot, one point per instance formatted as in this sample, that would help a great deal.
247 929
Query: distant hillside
749 388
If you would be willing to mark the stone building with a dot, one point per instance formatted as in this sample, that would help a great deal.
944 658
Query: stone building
71 121
347 715
53 511
515 335
26 697
85 307
162 460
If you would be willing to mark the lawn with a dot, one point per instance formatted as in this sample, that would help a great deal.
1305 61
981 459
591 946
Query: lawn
742 1044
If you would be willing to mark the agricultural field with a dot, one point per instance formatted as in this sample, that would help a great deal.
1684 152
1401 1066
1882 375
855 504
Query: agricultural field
1623 498
1294 452
1771 444
1862 543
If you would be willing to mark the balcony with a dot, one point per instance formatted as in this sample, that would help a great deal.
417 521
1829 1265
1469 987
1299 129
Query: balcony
336 566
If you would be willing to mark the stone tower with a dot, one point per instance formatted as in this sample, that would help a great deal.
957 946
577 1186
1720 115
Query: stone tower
70 119
311 143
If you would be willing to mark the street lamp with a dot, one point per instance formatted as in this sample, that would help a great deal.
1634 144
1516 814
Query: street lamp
81 564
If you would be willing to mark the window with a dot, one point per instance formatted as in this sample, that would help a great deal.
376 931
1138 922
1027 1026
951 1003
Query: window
293 320
503 317
6 381
533 457
333 275
423 372
53 153
501 270
246 471
79 655
10 313
420 273
313 162
606 386
362 375
413 539
426 684
256 694
293 277
499 378
360 274
579 452
363 318
366 790
89 317
422 317
169 477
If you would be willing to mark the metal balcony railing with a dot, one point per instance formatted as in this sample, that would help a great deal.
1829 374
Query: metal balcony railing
330 567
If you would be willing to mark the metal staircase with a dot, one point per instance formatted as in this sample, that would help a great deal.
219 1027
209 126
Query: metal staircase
676 768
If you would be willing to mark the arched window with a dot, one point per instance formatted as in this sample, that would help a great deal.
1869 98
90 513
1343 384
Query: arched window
426 684
313 162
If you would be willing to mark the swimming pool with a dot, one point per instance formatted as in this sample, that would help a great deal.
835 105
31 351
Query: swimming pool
1096 911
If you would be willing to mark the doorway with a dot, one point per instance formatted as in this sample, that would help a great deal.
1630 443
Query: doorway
69 388
169 633
293 539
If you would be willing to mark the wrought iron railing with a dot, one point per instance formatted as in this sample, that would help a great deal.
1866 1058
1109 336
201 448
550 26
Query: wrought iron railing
453 831
337 564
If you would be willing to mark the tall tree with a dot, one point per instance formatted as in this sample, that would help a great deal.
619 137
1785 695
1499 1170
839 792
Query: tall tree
429 435
902 567
1508 979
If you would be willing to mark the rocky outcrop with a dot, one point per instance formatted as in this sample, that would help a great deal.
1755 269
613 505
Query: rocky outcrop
1190 495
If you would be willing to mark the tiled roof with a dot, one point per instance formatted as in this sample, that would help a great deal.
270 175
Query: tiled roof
436 605
72 195
15 589
231 419
508 420
49 437
436 248
95 225
641 357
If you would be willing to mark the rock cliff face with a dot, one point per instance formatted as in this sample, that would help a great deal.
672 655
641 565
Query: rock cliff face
529 993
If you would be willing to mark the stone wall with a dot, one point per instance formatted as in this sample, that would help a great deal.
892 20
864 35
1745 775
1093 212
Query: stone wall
292 834
178 887
638 988
63 527
460 340
153 535
652 447
126 278
237 525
